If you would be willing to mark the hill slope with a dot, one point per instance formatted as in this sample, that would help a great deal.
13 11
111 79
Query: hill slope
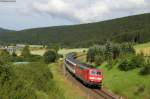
4 30
4 33
132 28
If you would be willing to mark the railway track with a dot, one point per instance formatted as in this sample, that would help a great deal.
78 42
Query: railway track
104 94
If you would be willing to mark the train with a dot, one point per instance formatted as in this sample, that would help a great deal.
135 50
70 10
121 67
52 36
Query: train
86 73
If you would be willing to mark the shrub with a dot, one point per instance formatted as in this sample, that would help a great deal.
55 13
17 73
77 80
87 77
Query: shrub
60 56
4 53
130 62
124 65
6 74
127 48
37 73
137 60
11 86
26 52
14 54
146 69
4 56
50 56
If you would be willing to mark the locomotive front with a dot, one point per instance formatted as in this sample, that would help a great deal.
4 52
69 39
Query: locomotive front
95 77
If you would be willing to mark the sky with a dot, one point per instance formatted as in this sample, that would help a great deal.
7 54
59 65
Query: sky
24 14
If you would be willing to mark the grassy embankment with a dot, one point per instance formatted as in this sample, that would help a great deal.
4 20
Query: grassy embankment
70 90
129 84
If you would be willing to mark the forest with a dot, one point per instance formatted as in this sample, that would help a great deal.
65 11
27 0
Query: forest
128 29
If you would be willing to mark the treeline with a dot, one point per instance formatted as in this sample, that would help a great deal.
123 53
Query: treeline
32 80
128 29
49 56
123 55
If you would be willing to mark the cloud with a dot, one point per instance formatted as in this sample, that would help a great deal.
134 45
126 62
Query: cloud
91 10
86 10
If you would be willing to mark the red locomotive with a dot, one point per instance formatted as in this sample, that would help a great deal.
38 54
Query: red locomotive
86 73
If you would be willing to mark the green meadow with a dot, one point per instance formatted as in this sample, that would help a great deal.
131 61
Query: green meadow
128 84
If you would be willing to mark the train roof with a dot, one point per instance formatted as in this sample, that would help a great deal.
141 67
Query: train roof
79 63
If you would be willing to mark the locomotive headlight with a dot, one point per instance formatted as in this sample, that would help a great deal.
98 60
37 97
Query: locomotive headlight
91 77
99 78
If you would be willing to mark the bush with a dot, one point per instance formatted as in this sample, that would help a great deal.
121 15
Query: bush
50 56
130 62
137 60
4 56
146 69
124 65
38 74
127 48
14 54
12 87
60 56
4 53
26 52
6 74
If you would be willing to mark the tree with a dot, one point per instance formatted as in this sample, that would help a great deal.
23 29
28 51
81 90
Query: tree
98 60
26 52
90 55
116 51
127 48
50 56
130 62
4 53
108 51
14 54
4 56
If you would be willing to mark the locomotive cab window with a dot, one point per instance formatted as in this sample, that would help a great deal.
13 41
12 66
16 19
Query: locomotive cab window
94 72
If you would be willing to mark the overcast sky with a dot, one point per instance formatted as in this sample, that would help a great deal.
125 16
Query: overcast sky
24 14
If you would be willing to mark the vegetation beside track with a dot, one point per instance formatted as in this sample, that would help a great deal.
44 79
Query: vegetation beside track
31 76
129 84
70 91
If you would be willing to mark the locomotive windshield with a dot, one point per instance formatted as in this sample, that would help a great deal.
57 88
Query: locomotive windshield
95 72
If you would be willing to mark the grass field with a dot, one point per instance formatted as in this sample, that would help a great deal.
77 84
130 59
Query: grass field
38 51
143 48
66 51
127 84
41 51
